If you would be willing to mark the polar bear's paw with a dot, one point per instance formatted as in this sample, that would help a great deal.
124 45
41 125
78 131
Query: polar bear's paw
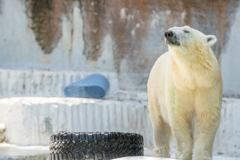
202 155
161 152
184 156
202 158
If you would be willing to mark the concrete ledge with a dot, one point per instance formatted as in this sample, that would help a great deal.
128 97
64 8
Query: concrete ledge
227 140
153 158
31 121
9 151
2 130
123 95
143 158
43 83
16 152
2 127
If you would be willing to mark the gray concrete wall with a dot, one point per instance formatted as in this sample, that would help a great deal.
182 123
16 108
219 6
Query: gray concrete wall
230 60
122 36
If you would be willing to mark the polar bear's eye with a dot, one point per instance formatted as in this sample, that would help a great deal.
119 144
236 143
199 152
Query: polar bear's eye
185 31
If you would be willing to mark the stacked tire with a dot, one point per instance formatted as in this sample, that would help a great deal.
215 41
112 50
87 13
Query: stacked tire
95 145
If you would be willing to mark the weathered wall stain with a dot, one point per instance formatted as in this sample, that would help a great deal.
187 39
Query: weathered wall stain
131 32
135 26
47 126
46 21
212 17
0 6
46 17
2 135
93 13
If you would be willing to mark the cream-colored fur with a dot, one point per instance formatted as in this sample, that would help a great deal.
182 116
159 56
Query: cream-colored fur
185 83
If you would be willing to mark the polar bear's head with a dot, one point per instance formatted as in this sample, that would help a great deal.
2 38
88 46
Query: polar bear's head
185 38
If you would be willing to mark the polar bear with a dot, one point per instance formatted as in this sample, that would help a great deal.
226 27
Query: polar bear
185 95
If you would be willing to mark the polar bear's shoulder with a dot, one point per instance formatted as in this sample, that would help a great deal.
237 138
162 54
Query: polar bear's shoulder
163 60
160 66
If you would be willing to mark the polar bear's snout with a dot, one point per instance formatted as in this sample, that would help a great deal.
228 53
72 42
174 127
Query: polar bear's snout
171 38
168 34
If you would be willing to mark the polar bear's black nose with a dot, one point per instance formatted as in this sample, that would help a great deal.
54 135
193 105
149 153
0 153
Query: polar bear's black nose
168 34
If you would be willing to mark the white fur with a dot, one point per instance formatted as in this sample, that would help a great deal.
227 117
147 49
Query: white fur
186 82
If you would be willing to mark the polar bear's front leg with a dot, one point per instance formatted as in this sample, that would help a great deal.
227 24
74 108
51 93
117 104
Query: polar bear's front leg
181 113
182 133
208 108
161 134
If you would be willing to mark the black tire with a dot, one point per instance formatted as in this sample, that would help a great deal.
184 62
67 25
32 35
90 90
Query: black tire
94 145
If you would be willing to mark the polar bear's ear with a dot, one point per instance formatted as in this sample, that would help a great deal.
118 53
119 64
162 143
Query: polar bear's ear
211 40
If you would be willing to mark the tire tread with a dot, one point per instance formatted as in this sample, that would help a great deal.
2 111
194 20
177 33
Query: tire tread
94 145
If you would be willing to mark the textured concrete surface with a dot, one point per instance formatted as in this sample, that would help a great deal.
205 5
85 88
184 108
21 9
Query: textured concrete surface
138 96
35 119
144 158
2 127
230 61
15 152
124 36
148 152
153 158
227 140
44 83
2 132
